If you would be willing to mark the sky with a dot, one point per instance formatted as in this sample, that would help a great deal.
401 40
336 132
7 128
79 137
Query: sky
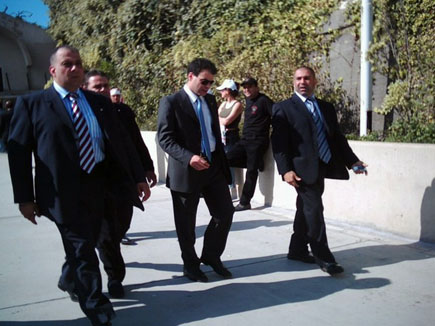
34 11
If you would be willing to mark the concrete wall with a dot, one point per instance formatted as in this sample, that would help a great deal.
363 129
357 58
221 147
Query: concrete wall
397 196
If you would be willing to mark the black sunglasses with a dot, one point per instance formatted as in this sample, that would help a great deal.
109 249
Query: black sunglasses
206 82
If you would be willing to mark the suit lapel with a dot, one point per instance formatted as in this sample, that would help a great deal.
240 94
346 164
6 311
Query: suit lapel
300 107
96 107
55 103
186 105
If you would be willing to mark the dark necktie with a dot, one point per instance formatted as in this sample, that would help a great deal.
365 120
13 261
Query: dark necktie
205 144
86 152
324 151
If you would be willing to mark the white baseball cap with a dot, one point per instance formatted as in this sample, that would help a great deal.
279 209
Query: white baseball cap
115 91
227 84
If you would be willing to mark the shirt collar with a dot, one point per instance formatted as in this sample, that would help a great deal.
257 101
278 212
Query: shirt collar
303 98
192 96
63 92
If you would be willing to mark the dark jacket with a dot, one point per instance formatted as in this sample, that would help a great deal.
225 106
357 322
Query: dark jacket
179 135
41 125
294 141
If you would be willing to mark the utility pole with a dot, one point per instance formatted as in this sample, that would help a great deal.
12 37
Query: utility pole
366 67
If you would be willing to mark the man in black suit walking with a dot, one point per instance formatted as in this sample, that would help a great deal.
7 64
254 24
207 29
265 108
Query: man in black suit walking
188 130
309 147
80 154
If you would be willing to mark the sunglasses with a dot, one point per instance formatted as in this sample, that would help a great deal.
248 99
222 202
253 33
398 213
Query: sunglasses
206 82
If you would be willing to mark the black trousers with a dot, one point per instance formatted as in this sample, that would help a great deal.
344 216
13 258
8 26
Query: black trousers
114 225
80 272
309 224
248 153
116 222
215 191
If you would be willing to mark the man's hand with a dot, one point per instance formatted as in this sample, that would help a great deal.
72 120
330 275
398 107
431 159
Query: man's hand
29 210
198 163
292 178
151 178
143 191
359 164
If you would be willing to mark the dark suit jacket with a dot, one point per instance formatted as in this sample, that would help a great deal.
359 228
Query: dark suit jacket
128 120
179 135
41 125
294 141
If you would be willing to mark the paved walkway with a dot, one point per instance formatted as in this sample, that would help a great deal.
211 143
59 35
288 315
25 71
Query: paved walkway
387 281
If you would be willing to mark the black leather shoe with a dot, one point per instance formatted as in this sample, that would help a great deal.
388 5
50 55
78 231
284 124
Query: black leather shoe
307 258
116 290
330 268
195 274
241 207
127 241
73 296
218 267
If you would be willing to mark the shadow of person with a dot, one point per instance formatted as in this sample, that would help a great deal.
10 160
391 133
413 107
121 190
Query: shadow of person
222 300
356 260
427 214
200 229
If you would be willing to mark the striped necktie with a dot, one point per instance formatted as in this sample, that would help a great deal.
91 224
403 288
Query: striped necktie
324 151
205 144
86 152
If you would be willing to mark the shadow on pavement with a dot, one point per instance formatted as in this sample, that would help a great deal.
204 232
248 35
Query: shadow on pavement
200 229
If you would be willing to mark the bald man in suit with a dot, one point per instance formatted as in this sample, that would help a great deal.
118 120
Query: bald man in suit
80 156
308 147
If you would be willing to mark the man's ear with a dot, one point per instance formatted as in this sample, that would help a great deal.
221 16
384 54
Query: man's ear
52 70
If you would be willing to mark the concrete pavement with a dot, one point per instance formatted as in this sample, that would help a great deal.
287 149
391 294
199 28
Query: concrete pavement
387 280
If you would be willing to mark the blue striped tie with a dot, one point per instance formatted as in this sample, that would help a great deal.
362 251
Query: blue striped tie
324 151
205 144
86 152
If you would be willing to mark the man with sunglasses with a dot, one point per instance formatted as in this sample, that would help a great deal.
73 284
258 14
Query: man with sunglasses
188 130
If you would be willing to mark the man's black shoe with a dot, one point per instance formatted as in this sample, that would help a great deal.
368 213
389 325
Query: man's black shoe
73 296
218 267
306 258
116 290
195 274
241 207
127 241
330 268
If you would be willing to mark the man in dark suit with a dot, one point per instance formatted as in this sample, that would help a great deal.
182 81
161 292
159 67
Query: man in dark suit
188 130
80 155
119 213
249 151
309 147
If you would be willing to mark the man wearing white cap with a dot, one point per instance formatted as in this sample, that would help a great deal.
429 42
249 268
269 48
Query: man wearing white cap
115 95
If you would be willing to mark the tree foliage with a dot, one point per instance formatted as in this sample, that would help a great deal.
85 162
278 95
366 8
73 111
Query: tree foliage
145 45
403 50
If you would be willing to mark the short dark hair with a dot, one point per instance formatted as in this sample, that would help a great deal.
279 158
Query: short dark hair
68 47
311 70
200 64
92 73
